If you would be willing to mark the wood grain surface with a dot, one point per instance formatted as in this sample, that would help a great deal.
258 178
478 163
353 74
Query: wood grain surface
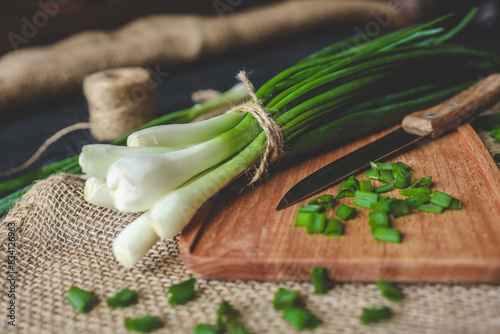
241 236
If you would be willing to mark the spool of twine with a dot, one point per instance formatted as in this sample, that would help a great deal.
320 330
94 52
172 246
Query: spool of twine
120 100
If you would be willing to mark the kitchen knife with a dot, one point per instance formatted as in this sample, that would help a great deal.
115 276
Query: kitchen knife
417 128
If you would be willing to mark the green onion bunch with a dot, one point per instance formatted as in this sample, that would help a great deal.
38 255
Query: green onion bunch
335 95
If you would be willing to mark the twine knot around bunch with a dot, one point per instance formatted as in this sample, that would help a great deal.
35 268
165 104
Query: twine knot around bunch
275 139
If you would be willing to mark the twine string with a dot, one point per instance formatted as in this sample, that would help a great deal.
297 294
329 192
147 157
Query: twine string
275 139
52 139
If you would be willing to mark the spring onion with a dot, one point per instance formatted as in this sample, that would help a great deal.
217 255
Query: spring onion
441 199
383 206
365 199
348 187
334 228
303 219
317 224
184 135
382 189
387 234
389 291
83 301
345 212
301 319
415 191
456 204
227 319
430 208
182 292
399 208
319 280
403 179
144 324
326 201
378 219
423 182
96 192
373 315
366 185
122 298
285 299
315 99
417 200
311 208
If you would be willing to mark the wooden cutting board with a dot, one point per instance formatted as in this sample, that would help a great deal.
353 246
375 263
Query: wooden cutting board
241 236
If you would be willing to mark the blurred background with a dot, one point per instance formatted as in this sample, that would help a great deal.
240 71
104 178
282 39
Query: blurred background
38 96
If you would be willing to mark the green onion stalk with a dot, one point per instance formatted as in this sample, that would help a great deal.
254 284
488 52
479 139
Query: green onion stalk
332 96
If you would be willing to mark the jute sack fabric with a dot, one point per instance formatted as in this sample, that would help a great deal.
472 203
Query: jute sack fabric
61 240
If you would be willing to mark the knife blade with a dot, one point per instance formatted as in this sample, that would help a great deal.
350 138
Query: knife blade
416 128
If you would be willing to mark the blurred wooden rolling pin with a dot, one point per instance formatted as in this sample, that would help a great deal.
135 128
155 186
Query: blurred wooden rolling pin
42 75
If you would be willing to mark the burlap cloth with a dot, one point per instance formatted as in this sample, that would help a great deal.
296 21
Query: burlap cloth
62 240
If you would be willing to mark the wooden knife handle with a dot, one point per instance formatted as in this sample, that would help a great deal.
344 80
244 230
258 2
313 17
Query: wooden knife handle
455 111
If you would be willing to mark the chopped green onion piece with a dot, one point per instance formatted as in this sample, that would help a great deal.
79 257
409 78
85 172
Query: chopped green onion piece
372 174
417 200
386 176
399 208
319 280
425 181
348 187
383 189
380 165
334 228
314 208
496 157
495 134
227 322
326 201
301 319
378 219
303 219
383 206
403 179
285 299
389 291
399 167
431 208
122 298
182 292
144 324
345 212
415 191
83 301
442 199
365 185
372 315
365 199
456 204
382 197
387 234
322 198
227 319
207 329
317 224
